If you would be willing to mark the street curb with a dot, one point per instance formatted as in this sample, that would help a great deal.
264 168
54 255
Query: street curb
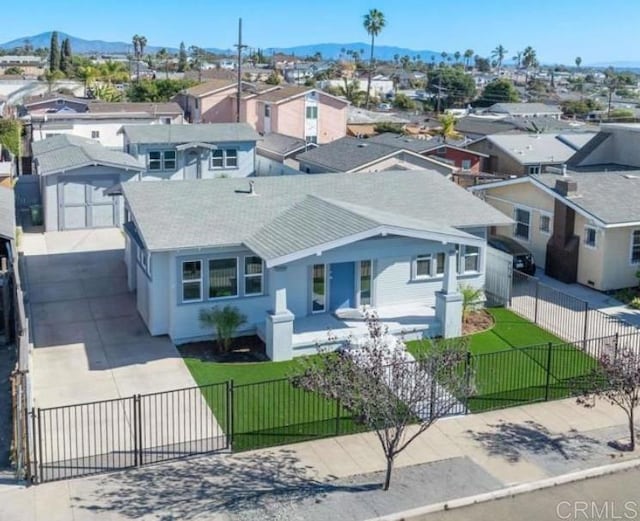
515 490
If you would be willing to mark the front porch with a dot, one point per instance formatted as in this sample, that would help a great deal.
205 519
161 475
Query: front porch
411 321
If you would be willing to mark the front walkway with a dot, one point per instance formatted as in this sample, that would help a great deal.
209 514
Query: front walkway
490 450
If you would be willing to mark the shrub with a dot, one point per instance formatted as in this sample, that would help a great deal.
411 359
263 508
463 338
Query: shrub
635 303
471 297
226 322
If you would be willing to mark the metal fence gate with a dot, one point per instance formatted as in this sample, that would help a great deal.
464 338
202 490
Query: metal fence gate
89 438
498 277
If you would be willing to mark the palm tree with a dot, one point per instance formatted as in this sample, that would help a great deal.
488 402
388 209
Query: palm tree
447 127
87 74
517 57
457 56
499 53
468 54
529 58
578 61
163 57
444 55
374 22
139 43
351 90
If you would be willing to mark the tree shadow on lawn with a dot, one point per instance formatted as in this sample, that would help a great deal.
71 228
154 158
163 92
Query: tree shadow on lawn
513 441
193 488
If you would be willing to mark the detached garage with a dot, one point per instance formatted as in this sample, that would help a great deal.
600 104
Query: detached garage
75 174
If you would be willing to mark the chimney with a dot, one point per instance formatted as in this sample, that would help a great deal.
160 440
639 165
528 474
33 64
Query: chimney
564 170
566 187
251 188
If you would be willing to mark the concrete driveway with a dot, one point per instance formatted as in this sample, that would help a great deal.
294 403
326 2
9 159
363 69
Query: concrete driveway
89 341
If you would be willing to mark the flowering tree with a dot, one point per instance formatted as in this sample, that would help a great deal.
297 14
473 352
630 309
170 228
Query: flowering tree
385 388
616 380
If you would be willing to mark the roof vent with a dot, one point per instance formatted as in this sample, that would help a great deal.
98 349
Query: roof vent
566 186
529 147
252 190
564 170
362 145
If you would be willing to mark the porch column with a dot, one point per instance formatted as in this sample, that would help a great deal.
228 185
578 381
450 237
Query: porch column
449 299
279 321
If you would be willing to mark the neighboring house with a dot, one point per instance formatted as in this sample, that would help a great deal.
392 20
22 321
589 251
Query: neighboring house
300 112
7 258
180 152
528 154
101 121
299 255
583 227
452 154
30 65
476 127
362 155
75 174
362 122
52 104
616 146
276 154
526 110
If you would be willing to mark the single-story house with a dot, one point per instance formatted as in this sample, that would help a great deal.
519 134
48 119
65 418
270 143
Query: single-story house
74 174
301 255
178 152
528 154
526 110
363 155
276 154
582 227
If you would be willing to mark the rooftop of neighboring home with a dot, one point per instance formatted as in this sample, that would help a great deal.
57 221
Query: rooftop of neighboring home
204 133
280 144
524 108
7 214
210 87
276 216
169 108
483 126
67 152
417 144
347 154
616 145
607 197
358 116
539 148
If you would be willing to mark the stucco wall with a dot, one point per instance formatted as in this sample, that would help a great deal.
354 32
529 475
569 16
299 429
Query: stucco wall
332 119
618 272
216 108
288 118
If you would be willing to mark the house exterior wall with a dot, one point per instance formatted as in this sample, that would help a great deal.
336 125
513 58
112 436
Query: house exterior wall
392 284
499 162
618 272
217 108
457 157
524 195
288 118
591 260
246 161
332 119
265 166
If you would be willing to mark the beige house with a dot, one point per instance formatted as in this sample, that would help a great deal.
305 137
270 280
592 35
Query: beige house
299 112
583 227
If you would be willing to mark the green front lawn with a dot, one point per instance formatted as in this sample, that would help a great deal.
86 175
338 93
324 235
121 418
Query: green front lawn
510 363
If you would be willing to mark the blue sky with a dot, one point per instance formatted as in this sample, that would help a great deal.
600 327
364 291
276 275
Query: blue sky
559 30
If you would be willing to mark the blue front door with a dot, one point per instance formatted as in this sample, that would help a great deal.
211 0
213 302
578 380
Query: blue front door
342 285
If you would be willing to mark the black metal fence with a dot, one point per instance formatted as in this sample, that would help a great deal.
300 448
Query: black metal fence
564 315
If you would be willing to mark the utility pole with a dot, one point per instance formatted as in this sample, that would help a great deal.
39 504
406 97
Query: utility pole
439 91
239 66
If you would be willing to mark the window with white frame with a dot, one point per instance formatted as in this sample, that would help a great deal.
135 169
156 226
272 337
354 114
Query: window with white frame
253 276
466 164
312 112
144 259
440 263
470 259
635 247
223 278
523 224
95 134
533 170
422 266
224 158
590 237
162 160
545 223
191 281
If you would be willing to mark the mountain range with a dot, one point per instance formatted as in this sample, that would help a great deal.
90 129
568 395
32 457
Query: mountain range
328 50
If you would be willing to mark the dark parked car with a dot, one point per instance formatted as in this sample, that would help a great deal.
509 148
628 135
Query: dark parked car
522 258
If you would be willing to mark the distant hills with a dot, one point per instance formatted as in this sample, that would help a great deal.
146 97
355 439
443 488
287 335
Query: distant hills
328 50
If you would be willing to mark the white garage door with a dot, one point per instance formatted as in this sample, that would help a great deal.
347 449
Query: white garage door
84 204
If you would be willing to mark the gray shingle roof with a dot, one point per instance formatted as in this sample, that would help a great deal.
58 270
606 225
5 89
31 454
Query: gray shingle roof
399 141
611 197
205 133
524 108
533 148
281 144
7 214
66 152
219 212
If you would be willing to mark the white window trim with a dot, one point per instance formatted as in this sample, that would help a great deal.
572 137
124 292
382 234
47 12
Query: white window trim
306 112
183 281
252 276
414 266
536 167
515 226
593 246
359 283
462 257
631 261
326 291
550 216
228 297
144 260
162 161
225 165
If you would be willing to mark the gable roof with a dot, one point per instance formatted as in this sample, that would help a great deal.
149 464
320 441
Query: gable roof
610 198
204 133
400 141
348 153
66 152
281 94
280 144
168 108
220 212
533 148
209 87
524 108
483 126
7 214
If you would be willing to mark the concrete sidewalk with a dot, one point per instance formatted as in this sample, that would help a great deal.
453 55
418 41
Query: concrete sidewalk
510 446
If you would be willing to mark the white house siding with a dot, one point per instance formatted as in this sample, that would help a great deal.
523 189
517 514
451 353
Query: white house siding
159 294
246 162
142 295
266 166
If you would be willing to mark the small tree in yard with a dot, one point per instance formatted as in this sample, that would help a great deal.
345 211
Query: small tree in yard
379 383
471 297
616 380
226 322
